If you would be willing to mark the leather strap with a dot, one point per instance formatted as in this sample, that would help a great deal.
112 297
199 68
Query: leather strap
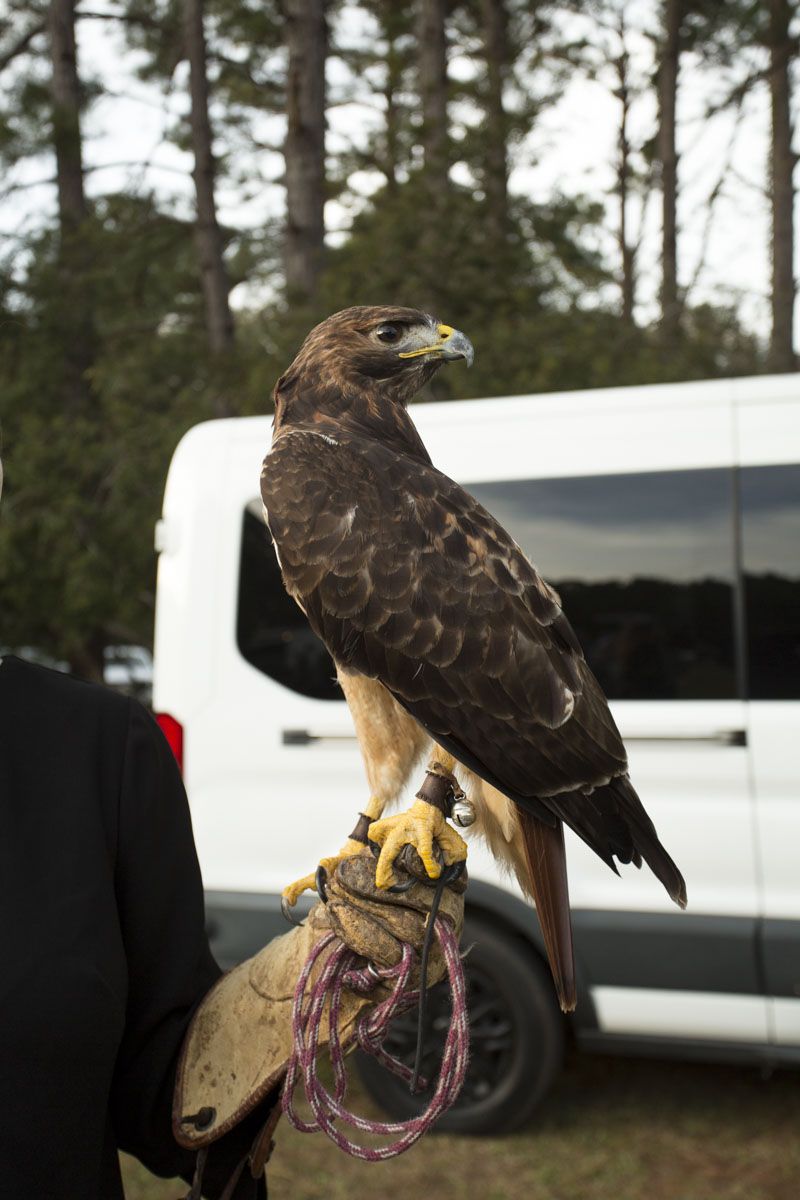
361 830
439 791
261 1150
256 1158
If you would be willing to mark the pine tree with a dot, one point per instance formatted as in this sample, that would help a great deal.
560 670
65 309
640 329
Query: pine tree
669 47
496 51
782 45
208 235
433 89
304 151
384 74
757 45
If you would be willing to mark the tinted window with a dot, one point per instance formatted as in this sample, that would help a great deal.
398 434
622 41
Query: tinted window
271 631
644 564
770 501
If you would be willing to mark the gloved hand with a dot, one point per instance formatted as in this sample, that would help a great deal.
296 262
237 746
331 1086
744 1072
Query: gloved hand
240 1040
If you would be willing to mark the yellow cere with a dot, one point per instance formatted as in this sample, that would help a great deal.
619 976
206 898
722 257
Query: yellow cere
444 332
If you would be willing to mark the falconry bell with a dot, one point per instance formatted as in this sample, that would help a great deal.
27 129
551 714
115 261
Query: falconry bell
464 812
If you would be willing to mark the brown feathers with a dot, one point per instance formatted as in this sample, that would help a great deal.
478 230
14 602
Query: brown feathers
410 581
547 865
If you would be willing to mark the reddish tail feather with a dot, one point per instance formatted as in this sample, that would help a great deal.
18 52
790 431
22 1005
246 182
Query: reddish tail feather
547 866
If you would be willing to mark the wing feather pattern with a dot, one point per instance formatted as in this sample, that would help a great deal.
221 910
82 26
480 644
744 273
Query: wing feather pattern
408 579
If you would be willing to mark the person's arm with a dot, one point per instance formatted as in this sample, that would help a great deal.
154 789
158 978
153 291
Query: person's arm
170 967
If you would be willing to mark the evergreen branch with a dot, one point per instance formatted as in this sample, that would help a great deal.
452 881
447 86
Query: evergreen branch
243 68
759 188
140 19
146 165
270 147
51 180
11 188
20 45
740 90
134 98
711 204
647 190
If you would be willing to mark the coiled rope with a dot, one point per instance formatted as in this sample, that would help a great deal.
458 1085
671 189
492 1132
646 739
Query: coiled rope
345 969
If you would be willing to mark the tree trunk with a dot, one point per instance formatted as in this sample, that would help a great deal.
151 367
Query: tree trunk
392 87
75 300
74 303
495 40
304 151
391 155
782 161
626 248
75 307
88 661
668 158
66 98
208 236
433 91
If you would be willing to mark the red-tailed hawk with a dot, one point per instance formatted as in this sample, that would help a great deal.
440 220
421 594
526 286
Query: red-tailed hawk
445 638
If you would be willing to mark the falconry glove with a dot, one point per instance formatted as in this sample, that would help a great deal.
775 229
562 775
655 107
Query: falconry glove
240 1040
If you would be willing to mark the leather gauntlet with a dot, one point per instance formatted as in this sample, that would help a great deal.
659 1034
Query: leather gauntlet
240 1039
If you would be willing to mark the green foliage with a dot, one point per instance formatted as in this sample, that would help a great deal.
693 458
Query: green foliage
156 27
85 465
83 490
83 484
385 69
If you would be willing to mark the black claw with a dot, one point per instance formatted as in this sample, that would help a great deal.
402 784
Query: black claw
320 881
288 915
374 847
397 889
453 872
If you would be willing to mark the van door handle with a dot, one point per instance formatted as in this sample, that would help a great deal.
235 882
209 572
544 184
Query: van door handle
719 737
304 737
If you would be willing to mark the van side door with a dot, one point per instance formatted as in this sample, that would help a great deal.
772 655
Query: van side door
630 514
769 487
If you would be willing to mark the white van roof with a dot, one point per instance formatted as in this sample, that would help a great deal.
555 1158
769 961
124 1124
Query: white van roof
463 436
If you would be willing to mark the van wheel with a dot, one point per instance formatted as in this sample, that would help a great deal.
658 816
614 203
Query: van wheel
516 1039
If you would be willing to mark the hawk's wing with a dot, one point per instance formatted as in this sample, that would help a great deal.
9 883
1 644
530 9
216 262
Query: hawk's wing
408 579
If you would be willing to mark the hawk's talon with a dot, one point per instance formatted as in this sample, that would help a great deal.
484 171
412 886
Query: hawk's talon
293 892
287 914
454 871
315 882
422 827
397 889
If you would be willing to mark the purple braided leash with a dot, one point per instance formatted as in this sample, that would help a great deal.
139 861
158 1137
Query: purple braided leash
341 971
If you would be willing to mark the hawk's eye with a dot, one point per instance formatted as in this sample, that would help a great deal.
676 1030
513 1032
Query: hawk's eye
387 333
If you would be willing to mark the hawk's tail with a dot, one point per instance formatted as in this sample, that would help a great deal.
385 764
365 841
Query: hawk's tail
613 822
547 883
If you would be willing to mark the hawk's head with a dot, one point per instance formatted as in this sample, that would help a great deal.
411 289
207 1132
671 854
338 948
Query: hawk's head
381 352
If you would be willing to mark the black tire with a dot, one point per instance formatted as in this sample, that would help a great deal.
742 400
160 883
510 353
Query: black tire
516 1039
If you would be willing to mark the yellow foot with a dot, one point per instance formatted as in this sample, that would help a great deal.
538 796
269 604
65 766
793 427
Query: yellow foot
419 827
308 883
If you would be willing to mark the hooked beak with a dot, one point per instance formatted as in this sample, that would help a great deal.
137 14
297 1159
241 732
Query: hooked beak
451 344
455 344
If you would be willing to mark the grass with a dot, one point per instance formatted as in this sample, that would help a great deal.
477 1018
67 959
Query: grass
612 1129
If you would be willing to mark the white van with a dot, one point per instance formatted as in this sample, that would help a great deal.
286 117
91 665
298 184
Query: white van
668 518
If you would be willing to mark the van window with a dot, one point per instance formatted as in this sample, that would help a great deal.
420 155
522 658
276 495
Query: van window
644 564
271 631
770 503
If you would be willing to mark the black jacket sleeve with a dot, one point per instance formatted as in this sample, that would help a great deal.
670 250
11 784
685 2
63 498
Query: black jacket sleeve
170 966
